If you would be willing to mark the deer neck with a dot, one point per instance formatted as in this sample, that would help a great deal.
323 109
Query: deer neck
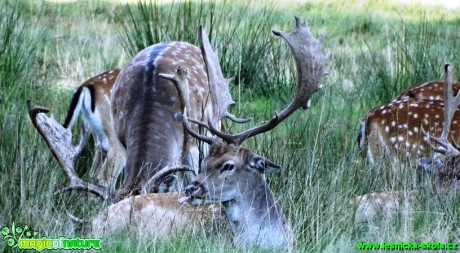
256 219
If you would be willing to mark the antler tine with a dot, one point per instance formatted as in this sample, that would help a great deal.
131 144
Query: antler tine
59 140
310 63
218 85
192 132
169 169
451 103
446 148
235 119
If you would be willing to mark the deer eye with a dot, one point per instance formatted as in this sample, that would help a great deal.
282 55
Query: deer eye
228 165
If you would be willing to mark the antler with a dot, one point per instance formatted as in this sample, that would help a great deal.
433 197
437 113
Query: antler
59 140
181 82
310 62
156 179
218 85
451 103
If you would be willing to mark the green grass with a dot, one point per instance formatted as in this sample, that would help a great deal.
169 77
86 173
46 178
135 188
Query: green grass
377 50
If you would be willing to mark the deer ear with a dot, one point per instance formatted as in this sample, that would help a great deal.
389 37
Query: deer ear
262 164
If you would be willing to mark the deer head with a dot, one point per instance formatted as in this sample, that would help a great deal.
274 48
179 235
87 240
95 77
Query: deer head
233 175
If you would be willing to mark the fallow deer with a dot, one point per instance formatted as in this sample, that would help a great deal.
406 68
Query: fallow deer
393 131
146 115
147 110
92 101
447 170
234 176
231 175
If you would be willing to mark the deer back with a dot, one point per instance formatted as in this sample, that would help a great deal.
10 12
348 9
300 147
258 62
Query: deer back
147 109
158 217
393 131
427 91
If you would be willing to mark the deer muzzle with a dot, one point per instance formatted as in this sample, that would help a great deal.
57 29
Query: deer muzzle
196 193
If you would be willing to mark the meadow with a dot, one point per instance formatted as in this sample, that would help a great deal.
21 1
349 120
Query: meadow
378 48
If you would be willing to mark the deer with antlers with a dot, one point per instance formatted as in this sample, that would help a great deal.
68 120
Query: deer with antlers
231 175
393 132
446 169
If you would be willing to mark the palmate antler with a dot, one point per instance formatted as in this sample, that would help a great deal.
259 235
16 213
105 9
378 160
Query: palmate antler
59 141
310 63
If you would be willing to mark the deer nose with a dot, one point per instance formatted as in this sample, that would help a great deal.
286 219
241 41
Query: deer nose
189 190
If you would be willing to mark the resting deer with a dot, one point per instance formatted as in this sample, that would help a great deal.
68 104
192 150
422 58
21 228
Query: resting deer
393 132
92 101
231 175
447 169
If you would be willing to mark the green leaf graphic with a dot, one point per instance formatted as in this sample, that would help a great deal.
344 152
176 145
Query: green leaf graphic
11 242
18 230
5 231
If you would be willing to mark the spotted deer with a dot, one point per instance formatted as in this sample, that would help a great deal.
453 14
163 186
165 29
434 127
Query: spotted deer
92 101
447 169
232 176
146 116
393 132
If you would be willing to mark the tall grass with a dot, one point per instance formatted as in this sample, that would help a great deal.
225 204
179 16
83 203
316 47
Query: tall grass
241 34
17 51
375 55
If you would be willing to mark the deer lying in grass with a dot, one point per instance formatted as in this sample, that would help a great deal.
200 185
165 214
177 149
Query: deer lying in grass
446 168
231 175
393 132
